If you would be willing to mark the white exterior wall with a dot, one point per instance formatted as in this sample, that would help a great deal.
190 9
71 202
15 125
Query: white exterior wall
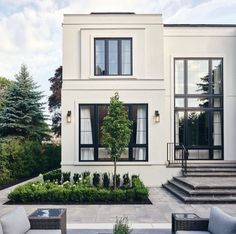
146 85
203 42
154 48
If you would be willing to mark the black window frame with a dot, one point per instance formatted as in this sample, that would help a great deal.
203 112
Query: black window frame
95 130
119 40
210 109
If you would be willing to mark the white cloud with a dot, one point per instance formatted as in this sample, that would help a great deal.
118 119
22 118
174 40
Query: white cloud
30 30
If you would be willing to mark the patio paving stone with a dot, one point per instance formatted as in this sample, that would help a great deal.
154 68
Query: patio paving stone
159 212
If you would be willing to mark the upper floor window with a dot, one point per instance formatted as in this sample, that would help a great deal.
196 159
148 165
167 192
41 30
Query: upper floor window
113 56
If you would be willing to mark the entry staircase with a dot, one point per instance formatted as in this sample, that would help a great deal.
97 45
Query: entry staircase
202 183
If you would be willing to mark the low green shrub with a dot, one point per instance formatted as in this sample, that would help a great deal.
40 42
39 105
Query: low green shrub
76 177
37 192
85 174
106 180
126 180
117 180
54 175
141 192
96 179
65 176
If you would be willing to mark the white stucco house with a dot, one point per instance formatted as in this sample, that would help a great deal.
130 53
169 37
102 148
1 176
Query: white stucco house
185 75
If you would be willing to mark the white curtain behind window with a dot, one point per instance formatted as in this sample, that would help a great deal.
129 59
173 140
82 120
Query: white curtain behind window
140 153
217 128
86 133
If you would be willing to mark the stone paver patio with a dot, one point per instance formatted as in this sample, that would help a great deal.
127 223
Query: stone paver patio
159 212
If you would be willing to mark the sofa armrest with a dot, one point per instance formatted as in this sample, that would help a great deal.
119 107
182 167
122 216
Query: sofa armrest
198 224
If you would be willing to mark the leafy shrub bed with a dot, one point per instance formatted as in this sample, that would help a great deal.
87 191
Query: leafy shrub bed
83 192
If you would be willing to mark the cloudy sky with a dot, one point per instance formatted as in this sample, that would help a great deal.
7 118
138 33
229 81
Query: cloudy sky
31 33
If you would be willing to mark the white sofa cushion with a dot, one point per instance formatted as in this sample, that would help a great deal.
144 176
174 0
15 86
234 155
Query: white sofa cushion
1 231
36 231
192 232
220 222
15 222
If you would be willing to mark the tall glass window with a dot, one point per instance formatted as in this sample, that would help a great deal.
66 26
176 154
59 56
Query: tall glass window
91 120
199 107
113 56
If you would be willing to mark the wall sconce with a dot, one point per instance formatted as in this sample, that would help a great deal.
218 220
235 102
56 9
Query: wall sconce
157 116
68 117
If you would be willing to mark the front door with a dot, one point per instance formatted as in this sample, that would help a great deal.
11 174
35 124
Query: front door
199 107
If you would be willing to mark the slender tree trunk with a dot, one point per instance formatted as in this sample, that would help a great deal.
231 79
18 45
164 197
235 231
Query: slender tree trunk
115 174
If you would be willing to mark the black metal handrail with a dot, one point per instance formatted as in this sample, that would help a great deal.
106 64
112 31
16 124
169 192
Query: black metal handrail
177 155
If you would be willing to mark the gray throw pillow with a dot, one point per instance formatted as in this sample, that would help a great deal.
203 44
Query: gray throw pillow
221 223
15 222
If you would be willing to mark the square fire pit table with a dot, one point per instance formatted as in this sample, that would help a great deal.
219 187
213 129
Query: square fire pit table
183 221
47 218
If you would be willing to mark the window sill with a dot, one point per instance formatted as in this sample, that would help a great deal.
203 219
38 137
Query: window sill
113 77
101 163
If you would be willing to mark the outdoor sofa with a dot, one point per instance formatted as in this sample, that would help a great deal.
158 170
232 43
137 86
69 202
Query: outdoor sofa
17 222
218 223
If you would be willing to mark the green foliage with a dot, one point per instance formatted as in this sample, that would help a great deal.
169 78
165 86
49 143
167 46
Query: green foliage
54 100
126 180
85 174
77 193
22 111
4 85
22 158
96 179
65 176
117 178
116 130
121 226
53 176
106 180
141 192
76 177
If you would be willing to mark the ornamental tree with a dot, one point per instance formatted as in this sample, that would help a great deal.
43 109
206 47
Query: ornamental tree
116 130
54 101
22 111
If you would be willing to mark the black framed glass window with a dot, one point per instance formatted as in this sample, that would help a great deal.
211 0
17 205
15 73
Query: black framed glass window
199 106
90 137
113 56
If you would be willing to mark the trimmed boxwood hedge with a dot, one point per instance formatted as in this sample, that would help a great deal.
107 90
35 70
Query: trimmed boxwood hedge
50 192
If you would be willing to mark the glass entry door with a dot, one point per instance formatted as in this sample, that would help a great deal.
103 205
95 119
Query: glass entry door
199 107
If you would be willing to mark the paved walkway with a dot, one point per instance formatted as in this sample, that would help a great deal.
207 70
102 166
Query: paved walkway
159 212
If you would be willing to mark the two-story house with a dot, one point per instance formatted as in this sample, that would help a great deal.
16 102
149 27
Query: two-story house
178 83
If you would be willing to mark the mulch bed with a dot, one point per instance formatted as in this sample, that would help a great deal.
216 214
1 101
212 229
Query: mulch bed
147 202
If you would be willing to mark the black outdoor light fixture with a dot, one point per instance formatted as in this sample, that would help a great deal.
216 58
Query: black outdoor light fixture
157 116
68 117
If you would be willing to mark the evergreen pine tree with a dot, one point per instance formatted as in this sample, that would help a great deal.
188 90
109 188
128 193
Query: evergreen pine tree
22 113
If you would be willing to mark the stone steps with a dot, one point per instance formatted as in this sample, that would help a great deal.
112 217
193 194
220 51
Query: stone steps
201 196
205 183
211 174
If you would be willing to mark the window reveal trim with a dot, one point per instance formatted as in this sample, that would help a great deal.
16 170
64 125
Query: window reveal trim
95 130
210 110
119 54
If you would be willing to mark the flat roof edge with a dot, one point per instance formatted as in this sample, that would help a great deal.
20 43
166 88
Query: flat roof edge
112 14
200 25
